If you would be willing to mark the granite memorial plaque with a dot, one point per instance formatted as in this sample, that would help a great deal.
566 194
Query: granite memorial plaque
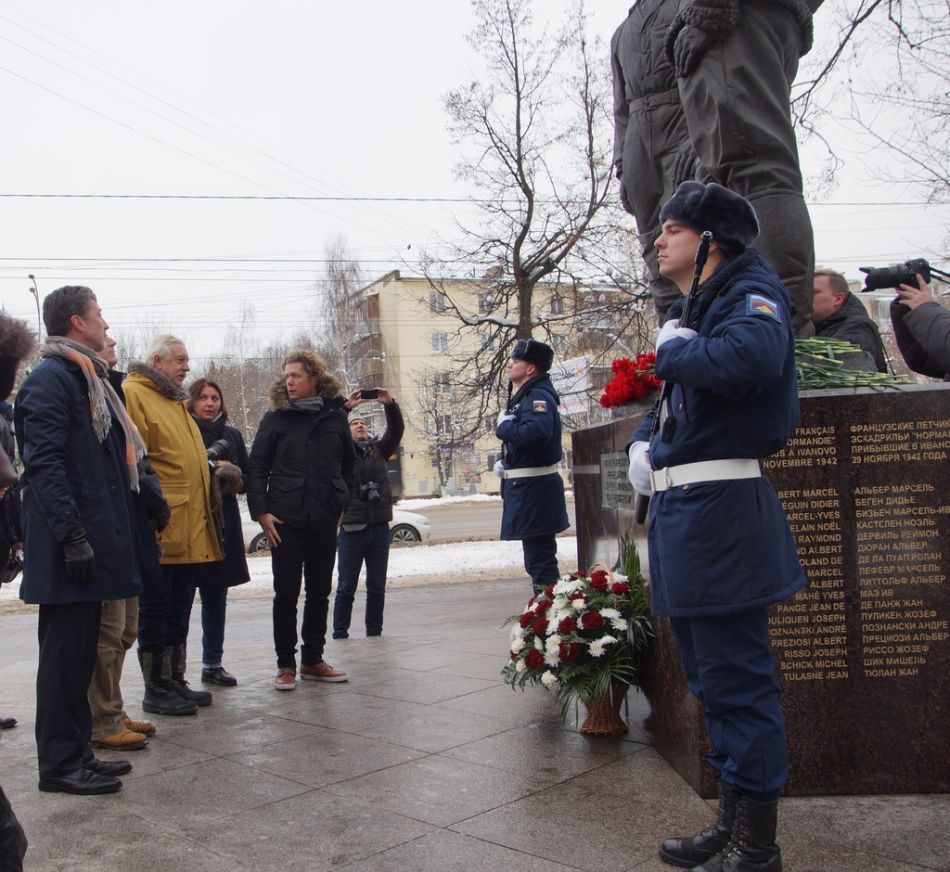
615 488
863 653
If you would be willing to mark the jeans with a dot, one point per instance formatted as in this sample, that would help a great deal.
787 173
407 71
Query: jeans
728 664
312 551
214 609
372 545
165 606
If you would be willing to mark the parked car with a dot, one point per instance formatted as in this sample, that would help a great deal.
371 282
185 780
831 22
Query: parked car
404 527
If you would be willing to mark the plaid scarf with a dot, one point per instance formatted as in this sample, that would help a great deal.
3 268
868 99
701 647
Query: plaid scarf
102 399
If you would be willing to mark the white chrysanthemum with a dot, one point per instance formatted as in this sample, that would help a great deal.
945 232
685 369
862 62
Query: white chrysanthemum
539 644
598 645
610 614
579 604
552 642
549 679
619 624
560 602
566 612
552 658
517 646
517 632
619 576
520 666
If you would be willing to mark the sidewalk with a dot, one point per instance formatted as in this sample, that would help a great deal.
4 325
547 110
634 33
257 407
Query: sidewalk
425 760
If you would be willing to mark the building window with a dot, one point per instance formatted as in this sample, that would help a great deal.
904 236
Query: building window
442 383
443 424
491 420
440 342
561 344
488 339
486 302
557 305
436 301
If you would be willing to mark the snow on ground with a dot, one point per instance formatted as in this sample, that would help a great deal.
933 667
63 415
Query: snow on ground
412 505
409 566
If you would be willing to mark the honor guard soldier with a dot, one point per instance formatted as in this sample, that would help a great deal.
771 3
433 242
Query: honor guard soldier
532 491
721 551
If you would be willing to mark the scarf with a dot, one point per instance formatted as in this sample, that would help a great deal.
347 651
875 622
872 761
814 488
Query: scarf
211 431
308 404
104 402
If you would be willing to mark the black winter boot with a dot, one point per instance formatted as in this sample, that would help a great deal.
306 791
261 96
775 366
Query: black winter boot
690 852
13 842
179 657
752 847
160 698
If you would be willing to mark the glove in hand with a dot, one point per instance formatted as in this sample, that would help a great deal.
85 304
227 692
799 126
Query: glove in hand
639 470
80 561
499 468
691 44
504 416
672 330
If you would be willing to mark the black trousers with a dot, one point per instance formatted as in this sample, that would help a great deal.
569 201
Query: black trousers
165 605
310 550
68 635
540 560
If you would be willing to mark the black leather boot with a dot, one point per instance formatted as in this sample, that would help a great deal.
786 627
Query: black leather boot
160 698
690 852
13 842
752 847
179 658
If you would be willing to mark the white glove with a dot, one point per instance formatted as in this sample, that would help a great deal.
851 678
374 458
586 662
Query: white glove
639 471
503 416
672 330
499 468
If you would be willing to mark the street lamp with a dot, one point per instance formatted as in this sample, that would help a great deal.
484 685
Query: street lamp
36 296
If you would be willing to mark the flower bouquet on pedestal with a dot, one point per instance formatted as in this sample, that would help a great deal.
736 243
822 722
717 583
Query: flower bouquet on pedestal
584 638
632 380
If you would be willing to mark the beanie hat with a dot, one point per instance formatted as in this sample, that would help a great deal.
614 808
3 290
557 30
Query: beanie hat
532 351
729 217
356 415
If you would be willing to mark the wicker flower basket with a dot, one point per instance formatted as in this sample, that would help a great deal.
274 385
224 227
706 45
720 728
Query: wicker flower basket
603 714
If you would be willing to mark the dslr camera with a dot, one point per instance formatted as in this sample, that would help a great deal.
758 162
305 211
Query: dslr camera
220 449
881 277
370 492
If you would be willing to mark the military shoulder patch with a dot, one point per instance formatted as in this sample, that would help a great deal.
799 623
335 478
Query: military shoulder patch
757 304
540 405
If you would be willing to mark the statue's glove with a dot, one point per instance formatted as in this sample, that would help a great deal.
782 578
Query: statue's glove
691 44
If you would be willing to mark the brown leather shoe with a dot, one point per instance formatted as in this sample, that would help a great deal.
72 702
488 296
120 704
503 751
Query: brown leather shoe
286 679
146 728
322 672
124 740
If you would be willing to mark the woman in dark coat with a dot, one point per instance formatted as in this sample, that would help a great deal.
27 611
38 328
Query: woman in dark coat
228 454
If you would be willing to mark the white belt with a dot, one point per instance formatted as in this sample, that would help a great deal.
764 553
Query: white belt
705 470
529 471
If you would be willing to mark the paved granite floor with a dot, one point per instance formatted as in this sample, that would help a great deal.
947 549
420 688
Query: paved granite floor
423 761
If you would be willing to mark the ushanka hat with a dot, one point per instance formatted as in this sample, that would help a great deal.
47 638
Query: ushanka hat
532 351
729 217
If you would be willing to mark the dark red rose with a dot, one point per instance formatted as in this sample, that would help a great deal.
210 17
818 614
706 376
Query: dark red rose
540 626
534 659
525 620
567 625
598 580
568 651
592 621
578 596
576 575
542 607
621 588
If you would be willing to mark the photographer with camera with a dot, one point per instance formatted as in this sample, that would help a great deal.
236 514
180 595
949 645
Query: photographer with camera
838 313
227 456
364 534
922 329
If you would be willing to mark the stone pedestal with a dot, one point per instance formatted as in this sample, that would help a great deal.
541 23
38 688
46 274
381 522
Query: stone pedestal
863 653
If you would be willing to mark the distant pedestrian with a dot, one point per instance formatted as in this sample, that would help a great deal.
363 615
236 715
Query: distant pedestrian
364 533
534 508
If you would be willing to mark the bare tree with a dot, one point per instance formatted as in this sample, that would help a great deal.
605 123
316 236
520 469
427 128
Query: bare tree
536 128
338 310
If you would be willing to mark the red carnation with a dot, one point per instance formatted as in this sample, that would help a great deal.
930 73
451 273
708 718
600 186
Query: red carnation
632 380
525 620
578 596
620 588
592 621
549 591
542 607
567 625
539 626
568 651
534 659
598 580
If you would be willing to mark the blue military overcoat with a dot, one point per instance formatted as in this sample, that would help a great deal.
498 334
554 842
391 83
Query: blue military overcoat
725 547
71 480
533 506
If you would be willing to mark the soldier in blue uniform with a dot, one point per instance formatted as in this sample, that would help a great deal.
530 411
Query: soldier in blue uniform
721 550
532 490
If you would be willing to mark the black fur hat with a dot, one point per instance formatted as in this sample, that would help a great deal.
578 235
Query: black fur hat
730 218
16 343
532 351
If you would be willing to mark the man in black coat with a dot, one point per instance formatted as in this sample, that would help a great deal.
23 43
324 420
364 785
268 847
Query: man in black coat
364 533
80 453
300 478
922 330
839 314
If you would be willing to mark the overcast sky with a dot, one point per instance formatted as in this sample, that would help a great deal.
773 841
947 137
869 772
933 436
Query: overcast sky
296 97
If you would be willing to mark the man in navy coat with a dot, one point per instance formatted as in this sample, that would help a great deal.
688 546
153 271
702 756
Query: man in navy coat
79 453
534 509
721 550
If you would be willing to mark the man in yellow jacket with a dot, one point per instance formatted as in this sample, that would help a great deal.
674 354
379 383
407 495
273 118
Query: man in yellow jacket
156 402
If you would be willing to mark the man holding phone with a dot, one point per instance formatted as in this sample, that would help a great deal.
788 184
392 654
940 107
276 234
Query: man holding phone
364 532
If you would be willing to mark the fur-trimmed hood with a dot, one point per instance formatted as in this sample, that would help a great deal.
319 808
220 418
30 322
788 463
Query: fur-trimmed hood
163 384
330 388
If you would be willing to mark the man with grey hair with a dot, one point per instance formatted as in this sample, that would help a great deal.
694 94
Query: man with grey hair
157 404
80 453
